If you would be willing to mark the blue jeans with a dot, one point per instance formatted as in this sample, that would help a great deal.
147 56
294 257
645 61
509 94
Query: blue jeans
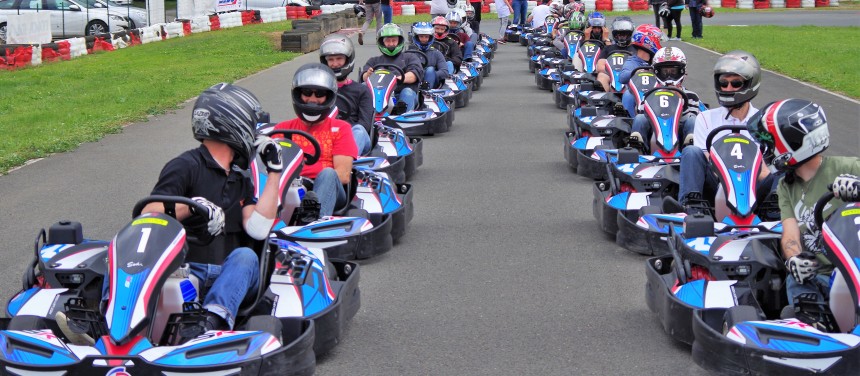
520 9
430 77
229 284
468 49
450 66
409 97
646 129
629 103
329 191
386 13
696 21
794 289
362 139
695 173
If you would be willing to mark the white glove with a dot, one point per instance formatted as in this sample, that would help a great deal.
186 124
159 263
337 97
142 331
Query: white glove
846 188
664 10
213 212
270 153
802 267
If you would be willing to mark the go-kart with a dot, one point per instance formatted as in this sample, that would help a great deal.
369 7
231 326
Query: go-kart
586 153
151 322
512 34
433 114
380 197
746 340
350 234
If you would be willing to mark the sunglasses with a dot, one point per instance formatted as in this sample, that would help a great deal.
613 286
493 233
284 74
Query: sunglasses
735 84
315 92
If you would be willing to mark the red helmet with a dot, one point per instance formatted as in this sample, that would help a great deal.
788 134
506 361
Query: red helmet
706 11
440 20
647 37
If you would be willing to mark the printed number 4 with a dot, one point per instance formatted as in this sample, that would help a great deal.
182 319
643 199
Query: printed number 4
144 238
736 151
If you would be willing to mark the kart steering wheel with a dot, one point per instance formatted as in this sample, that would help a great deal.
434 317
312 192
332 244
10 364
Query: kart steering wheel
169 203
288 133
390 67
421 55
715 131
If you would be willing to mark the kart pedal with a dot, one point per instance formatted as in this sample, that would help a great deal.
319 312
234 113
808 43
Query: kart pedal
79 321
184 326
74 331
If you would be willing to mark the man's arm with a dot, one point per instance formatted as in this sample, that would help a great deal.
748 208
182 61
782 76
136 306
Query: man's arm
267 204
413 72
343 167
790 238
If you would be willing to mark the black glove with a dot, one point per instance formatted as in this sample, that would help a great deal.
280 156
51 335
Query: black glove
213 212
270 153
846 188
664 10
802 267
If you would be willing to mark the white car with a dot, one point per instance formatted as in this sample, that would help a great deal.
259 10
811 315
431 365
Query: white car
138 17
69 18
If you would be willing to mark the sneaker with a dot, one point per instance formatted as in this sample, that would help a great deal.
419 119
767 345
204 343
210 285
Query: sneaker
500 41
74 333
361 38
688 140
310 209
215 322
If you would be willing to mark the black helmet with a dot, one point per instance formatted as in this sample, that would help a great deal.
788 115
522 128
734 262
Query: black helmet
229 114
622 30
338 44
791 131
319 77
743 64
359 10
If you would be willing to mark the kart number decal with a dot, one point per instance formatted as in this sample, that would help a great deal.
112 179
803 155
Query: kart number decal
664 101
618 60
736 151
144 239
646 79
149 221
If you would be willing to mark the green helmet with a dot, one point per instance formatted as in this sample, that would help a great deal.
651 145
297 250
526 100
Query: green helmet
390 30
577 21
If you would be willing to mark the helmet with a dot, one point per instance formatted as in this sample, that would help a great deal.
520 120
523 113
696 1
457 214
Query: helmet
567 10
338 44
647 38
791 130
596 19
390 30
670 66
439 20
359 10
454 16
314 76
422 28
466 11
622 30
578 7
577 21
741 63
228 114
556 6
451 3
706 11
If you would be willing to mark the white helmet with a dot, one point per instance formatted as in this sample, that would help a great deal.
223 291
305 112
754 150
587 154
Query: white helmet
670 66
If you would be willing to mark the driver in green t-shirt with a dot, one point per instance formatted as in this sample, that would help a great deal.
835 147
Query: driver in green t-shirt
795 131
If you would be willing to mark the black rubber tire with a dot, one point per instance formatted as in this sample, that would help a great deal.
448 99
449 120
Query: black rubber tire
88 31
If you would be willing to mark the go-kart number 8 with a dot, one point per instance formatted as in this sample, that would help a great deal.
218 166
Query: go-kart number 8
646 80
144 238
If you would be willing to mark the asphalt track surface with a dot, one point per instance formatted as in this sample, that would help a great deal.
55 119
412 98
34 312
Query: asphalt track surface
503 269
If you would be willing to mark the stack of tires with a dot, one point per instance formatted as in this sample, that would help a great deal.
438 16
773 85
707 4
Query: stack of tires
590 5
729 3
603 5
407 10
746 4
761 4
620 5
807 3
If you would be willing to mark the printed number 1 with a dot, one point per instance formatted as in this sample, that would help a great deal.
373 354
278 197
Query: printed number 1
144 238
736 151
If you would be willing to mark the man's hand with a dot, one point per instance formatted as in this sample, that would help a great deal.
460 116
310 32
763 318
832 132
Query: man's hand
213 212
846 187
802 267
664 10
270 153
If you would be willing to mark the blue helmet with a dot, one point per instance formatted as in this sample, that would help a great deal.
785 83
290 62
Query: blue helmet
422 28
596 19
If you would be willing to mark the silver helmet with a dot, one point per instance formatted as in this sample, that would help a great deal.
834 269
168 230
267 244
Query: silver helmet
338 44
317 77
743 64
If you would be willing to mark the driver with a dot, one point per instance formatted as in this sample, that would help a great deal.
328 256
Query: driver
224 120
795 132
622 31
445 44
437 69
646 41
313 95
455 20
596 28
391 43
353 100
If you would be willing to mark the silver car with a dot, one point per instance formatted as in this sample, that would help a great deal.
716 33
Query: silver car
69 18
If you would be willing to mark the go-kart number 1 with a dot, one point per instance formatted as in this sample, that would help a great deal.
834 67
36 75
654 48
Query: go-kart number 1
144 238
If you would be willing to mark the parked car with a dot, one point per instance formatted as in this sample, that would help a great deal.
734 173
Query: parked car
69 18
138 17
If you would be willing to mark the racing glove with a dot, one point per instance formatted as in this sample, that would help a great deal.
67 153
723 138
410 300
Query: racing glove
846 188
270 153
213 212
802 267
664 10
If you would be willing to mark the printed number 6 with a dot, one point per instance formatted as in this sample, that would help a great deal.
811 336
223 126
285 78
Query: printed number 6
664 101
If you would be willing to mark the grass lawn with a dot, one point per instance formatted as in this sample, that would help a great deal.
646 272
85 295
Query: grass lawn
825 56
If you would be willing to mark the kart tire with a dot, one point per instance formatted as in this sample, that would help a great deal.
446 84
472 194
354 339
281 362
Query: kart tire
531 67
27 322
738 314
268 324
479 80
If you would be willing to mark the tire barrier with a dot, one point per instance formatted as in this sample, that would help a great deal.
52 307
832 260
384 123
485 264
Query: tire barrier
638 5
231 19
620 5
590 5
173 30
77 47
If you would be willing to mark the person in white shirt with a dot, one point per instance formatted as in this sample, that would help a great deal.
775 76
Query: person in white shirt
441 7
737 77
504 9
539 13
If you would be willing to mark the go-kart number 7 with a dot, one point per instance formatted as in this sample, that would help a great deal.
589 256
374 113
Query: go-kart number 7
144 238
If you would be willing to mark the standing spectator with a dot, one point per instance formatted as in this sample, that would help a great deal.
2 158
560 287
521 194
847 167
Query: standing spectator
372 10
386 11
656 5
441 7
676 7
696 17
504 9
539 13
476 21
520 9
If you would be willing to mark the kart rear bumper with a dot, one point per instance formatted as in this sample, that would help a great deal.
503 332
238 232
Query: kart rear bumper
674 315
331 322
